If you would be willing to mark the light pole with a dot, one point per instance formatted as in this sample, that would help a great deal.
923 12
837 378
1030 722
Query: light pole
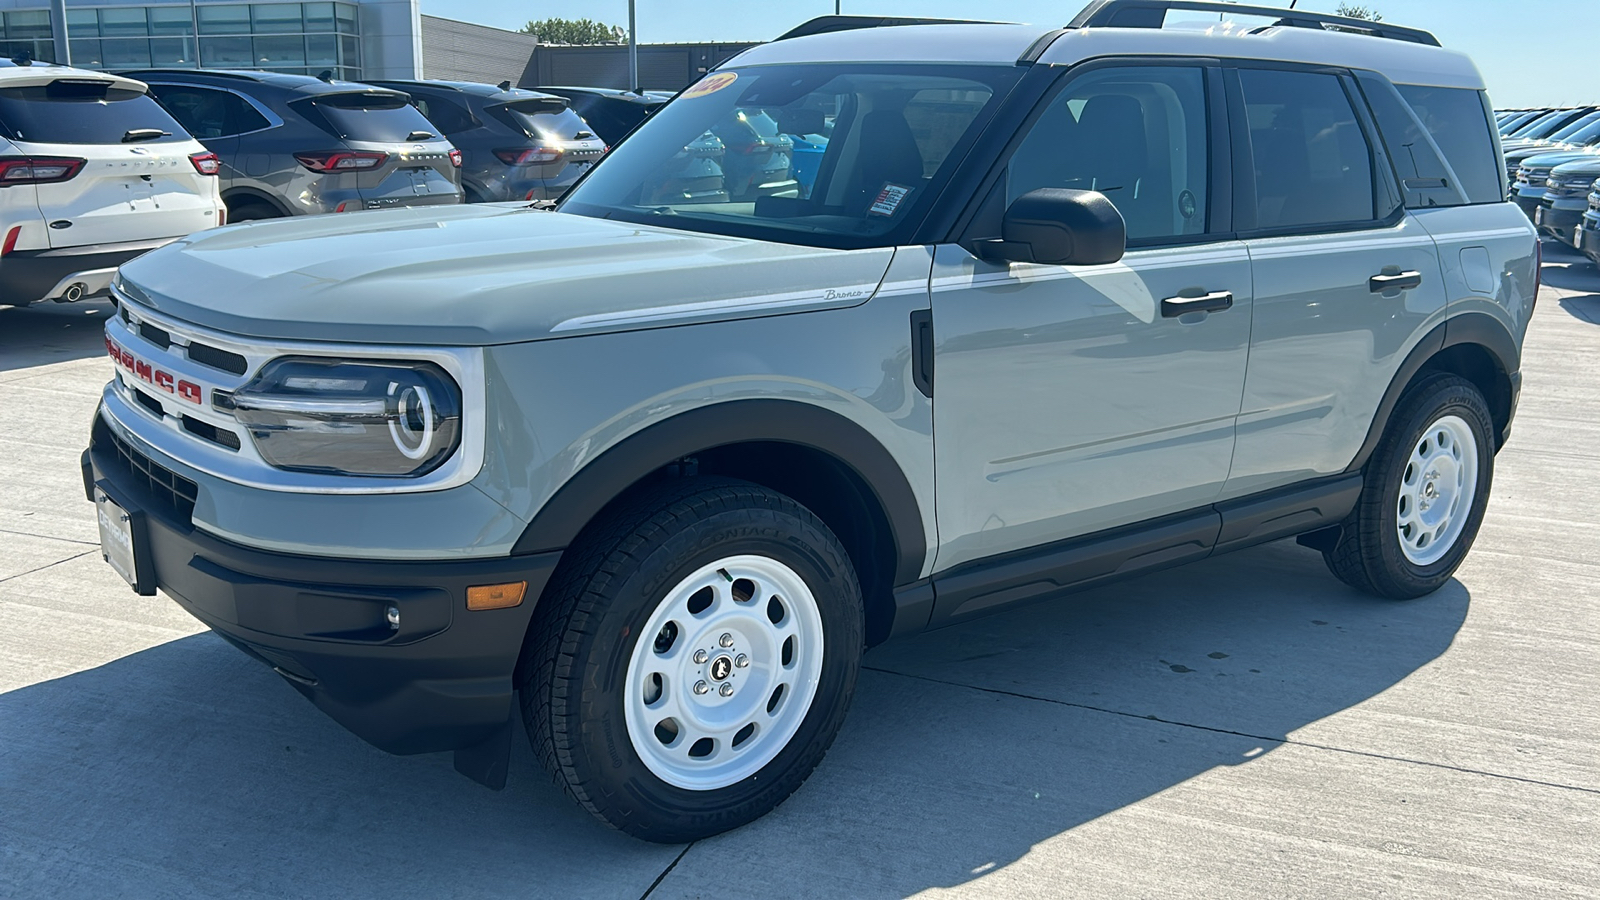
633 50
58 32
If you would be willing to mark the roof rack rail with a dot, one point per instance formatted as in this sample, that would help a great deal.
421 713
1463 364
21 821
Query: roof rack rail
827 24
1152 13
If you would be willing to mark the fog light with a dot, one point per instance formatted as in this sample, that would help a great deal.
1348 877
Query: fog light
496 596
393 615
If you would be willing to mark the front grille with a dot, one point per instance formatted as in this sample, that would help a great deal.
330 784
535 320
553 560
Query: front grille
218 359
159 485
155 335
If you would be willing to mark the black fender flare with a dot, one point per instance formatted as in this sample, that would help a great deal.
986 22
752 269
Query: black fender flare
620 467
1476 328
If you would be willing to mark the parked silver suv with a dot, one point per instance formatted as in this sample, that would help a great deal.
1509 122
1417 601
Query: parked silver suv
297 145
1058 307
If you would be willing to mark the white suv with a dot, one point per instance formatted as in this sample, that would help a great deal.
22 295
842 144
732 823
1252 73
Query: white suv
92 173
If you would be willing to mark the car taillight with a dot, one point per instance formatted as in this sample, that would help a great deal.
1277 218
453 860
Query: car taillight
37 169
527 156
455 157
341 160
206 163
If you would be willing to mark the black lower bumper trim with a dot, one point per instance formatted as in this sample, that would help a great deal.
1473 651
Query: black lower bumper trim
442 680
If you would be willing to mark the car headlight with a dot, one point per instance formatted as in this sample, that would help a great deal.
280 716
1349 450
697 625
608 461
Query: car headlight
384 419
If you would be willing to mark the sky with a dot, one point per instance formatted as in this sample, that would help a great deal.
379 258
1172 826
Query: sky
1531 52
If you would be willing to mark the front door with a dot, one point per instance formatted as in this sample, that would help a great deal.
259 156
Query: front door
1074 399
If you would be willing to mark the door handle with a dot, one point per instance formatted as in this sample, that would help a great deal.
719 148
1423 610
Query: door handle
1216 301
1405 281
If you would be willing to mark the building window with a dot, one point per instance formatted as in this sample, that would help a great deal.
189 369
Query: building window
297 38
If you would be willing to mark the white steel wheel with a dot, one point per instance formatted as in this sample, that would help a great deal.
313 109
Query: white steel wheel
1437 490
724 672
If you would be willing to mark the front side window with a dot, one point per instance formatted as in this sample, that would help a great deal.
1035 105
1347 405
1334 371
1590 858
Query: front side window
837 155
1135 134
1313 167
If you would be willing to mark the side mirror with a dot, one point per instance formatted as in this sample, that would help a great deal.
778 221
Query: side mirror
1059 227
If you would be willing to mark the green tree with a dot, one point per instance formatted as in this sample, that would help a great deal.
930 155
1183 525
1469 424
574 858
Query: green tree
576 31
1355 11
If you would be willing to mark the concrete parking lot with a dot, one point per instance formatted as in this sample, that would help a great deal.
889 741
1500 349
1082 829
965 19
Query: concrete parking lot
1243 727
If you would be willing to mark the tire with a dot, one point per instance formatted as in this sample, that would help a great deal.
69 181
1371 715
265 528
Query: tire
1409 531
595 695
249 212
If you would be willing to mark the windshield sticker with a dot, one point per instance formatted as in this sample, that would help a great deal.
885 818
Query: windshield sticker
888 199
710 85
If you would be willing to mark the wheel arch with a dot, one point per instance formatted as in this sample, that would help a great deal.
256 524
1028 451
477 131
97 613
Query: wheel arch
1475 346
823 460
239 195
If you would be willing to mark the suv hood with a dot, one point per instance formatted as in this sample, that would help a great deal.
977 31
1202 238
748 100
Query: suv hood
482 274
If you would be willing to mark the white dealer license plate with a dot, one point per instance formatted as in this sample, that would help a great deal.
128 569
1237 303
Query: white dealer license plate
1577 236
1538 216
116 538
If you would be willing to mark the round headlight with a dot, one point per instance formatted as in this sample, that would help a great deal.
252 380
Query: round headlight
385 419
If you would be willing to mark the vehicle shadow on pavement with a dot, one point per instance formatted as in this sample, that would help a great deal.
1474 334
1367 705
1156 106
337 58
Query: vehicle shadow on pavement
189 770
48 333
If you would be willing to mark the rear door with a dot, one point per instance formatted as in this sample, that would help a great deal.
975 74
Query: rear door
216 118
135 179
1346 282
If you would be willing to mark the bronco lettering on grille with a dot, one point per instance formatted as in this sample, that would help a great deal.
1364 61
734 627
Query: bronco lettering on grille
152 374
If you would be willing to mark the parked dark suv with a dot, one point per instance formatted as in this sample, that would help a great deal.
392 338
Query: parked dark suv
296 145
515 144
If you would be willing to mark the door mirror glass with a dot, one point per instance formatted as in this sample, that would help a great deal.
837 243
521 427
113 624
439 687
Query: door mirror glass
1060 227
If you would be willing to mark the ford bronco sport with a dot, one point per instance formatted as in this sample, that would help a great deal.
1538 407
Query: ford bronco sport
1058 307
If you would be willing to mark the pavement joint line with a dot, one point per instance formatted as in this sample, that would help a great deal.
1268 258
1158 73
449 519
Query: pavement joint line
667 871
1215 730
46 566
46 537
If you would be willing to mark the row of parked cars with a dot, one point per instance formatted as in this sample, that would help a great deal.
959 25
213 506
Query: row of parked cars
97 168
1553 163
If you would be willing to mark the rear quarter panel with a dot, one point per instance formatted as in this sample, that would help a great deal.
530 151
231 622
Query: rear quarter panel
1489 257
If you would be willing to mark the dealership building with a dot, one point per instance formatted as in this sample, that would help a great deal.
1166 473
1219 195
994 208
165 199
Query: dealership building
368 39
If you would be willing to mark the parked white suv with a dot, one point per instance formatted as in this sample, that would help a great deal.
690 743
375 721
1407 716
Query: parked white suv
92 173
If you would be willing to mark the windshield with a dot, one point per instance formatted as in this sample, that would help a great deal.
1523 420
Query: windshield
384 118
85 112
1580 132
1545 125
721 157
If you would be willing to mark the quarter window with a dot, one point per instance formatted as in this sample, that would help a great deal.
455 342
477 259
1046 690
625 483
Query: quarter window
1135 134
1313 166
1459 123
209 113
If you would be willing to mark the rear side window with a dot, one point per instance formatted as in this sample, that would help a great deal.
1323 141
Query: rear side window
1429 175
1313 166
383 118
209 113
1458 119
85 112
451 118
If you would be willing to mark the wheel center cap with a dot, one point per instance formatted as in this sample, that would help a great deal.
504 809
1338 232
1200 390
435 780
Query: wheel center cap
721 667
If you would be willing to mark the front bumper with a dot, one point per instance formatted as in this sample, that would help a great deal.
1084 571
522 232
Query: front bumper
442 681
27 276
1589 239
1559 217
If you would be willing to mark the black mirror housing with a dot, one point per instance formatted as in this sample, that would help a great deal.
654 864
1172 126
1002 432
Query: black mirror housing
799 121
1060 227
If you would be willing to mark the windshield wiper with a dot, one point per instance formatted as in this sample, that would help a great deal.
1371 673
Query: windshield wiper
421 136
143 134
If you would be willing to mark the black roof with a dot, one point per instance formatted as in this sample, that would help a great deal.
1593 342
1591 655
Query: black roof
297 84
